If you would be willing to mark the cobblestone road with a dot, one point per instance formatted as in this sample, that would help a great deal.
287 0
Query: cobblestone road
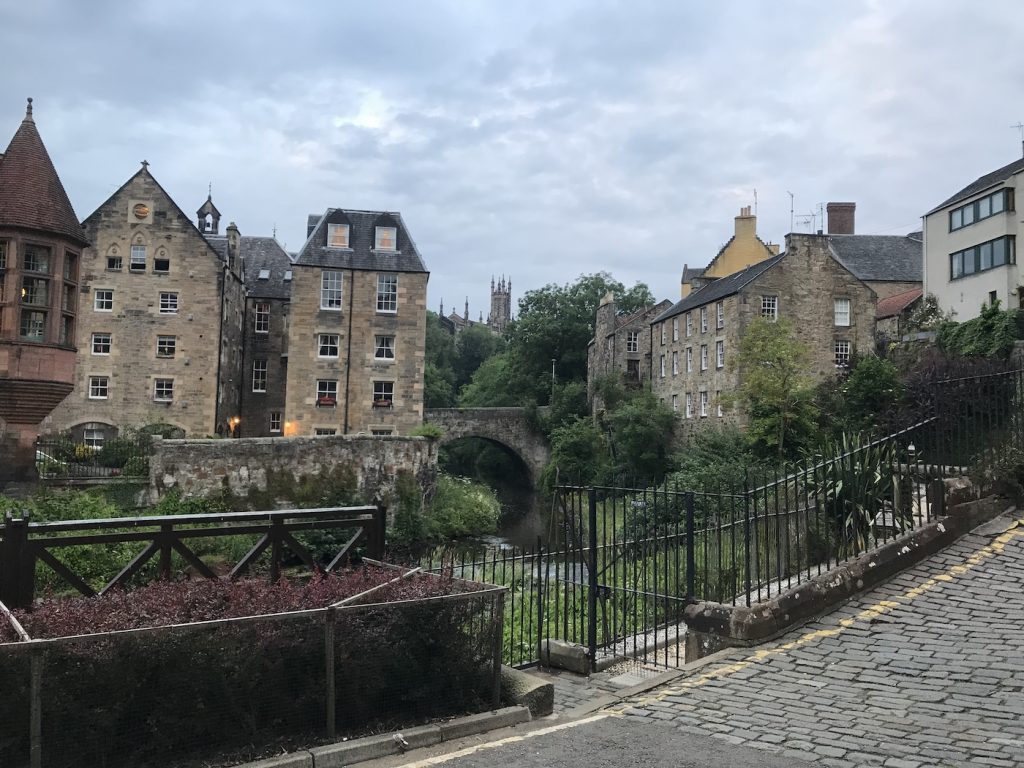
927 670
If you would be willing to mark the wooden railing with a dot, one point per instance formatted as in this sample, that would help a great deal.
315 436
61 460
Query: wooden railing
24 543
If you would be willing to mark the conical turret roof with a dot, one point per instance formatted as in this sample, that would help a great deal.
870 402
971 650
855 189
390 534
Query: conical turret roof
31 194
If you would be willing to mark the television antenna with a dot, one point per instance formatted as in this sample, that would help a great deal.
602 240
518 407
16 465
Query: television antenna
1020 127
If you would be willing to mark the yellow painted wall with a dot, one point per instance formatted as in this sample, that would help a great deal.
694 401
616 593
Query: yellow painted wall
742 250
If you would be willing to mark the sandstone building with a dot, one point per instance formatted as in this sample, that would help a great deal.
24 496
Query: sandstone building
160 327
498 319
41 244
741 250
357 327
832 311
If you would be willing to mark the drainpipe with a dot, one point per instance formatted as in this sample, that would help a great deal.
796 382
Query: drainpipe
220 350
348 344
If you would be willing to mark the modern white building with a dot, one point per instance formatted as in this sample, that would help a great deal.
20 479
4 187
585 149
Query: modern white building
970 245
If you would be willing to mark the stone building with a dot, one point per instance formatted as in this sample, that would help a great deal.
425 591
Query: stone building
498 319
832 311
41 244
160 327
357 327
621 346
893 314
741 250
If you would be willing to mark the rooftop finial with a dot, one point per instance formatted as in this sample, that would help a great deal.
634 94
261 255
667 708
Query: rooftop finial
28 109
145 164
209 191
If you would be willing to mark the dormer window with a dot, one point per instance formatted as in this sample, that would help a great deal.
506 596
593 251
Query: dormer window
386 238
337 235
287 275
264 274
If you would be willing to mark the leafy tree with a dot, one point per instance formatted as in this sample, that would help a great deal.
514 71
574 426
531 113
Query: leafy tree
438 372
714 459
494 384
438 391
642 433
991 334
774 387
579 453
473 346
867 394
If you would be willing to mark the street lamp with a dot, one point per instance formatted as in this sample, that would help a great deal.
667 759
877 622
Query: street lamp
552 381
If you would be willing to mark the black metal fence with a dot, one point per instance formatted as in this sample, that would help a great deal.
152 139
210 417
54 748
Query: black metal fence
60 458
623 563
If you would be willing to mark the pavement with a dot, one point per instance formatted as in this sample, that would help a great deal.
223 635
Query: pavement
926 670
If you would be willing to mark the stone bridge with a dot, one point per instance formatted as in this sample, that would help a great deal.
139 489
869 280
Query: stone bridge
508 427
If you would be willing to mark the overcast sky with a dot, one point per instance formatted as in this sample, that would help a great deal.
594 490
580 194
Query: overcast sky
541 140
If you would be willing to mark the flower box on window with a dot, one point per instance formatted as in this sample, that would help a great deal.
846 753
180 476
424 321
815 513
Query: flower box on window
382 403
326 402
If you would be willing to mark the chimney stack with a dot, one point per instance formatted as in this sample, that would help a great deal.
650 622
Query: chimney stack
746 224
841 218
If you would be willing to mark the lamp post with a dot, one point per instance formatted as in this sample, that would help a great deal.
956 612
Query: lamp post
552 381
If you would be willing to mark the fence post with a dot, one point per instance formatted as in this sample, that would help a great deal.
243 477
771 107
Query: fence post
542 575
746 536
36 710
17 564
691 560
329 682
592 578
499 636
375 544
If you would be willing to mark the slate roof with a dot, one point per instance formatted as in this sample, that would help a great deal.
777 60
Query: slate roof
719 289
219 244
361 253
689 273
260 253
893 305
31 194
898 258
982 183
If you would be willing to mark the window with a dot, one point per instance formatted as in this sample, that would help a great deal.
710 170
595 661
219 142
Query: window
383 394
719 354
259 375
633 341
337 235
287 275
33 325
326 393
324 431
275 421
842 312
161 262
703 319
990 205
67 330
663 334
384 348
770 308
675 363
982 257
387 293
330 290
689 405
327 345
382 432
166 346
718 404
675 403
703 404
703 357
663 366
67 300
103 301
385 239
163 390
689 359
70 266
264 274
689 324
168 303
720 315
101 343
114 262
675 329
93 437
842 350
37 259
98 387
137 262
3 267
993 297
35 290
261 317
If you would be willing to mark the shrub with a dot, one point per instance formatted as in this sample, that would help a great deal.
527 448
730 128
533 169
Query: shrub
426 429
462 507
137 466
116 453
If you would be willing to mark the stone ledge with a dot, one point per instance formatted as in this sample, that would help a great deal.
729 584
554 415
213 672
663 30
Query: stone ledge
524 690
716 625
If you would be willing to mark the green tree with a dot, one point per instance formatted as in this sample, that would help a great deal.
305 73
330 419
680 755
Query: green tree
438 372
990 334
642 435
495 383
579 454
868 394
473 346
775 389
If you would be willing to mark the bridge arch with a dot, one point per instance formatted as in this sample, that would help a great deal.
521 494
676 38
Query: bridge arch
508 427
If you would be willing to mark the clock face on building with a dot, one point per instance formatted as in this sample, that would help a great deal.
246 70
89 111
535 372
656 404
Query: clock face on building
141 210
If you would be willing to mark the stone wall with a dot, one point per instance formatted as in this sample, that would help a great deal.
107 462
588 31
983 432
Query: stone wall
254 466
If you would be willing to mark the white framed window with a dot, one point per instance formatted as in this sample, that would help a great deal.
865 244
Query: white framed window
324 431
703 319
689 359
385 238
99 387
720 315
337 235
327 344
703 357
689 405
137 261
384 348
689 324
675 363
703 405
720 354
114 262
168 303
675 329
843 350
93 437
330 290
383 394
275 421
259 375
675 403
770 308
633 341
101 343
103 300
663 366
326 393
387 293
841 310
166 346
663 334
718 404
261 317
163 390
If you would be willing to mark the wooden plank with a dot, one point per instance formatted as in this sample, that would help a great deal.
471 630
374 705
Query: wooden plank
132 568
65 573
193 559
18 629
251 555
344 551
364 593
299 550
